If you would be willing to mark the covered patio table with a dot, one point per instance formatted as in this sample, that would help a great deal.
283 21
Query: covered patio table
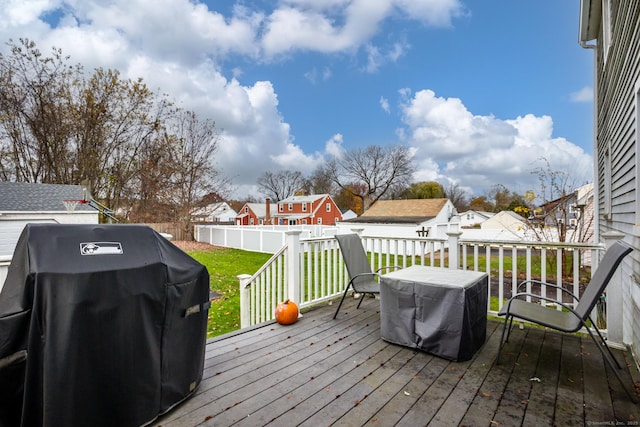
438 310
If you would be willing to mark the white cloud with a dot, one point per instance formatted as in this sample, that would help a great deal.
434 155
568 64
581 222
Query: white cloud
384 103
583 95
479 151
346 25
333 147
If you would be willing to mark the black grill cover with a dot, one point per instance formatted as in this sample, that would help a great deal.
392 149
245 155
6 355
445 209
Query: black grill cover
99 325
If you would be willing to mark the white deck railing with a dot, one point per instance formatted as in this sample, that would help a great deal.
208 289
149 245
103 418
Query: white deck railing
311 271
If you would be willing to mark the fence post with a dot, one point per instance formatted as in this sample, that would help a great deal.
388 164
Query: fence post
245 308
454 250
292 266
614 301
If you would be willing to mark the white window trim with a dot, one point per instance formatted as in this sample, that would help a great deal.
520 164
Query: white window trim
304 206
328 207
290 207
637 165
606 28
607 182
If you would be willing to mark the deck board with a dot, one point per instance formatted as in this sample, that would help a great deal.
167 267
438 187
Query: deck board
321 371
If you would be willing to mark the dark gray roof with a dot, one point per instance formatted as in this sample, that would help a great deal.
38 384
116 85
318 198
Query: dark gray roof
24 196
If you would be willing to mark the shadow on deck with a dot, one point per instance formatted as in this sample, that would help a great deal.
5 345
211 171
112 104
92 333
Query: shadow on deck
320 372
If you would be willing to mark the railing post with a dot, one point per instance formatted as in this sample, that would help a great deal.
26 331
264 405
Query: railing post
454 250
245 308
614 296
293 265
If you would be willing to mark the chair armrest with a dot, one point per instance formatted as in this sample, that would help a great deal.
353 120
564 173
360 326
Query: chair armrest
549 285
364 274
389 266
560 303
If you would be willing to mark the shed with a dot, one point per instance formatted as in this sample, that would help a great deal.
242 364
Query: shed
22 203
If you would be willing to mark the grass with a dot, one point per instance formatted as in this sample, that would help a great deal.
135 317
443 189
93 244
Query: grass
224 265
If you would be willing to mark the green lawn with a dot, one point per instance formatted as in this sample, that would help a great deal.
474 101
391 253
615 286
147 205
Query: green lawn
224 265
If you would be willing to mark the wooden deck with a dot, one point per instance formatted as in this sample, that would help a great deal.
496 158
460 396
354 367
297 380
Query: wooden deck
321 372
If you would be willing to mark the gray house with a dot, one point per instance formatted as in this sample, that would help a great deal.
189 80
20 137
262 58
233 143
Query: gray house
22 203
611 29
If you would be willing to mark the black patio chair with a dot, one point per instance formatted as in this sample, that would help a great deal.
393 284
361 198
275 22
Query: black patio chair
570 319
362 277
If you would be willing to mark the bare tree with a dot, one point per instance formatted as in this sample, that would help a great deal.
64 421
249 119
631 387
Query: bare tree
560 212
35 123
320 182
457 195
378 171
282 184
176 170
136 150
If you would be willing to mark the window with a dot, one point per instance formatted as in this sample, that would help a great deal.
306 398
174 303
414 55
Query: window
319 221
281 207
304 207
637 141
607 182
290 207
251 222
606 28
328 207
246 209
304 222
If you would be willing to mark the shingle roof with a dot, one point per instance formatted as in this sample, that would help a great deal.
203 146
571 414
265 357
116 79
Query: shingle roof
402 211
406 208
24 196
301 199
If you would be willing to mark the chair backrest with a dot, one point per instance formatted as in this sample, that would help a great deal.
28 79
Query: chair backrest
354 257
601 277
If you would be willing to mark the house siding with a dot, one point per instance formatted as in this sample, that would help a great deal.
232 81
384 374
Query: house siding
616 149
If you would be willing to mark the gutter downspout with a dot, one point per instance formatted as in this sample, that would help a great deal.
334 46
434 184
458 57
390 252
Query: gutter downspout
596 183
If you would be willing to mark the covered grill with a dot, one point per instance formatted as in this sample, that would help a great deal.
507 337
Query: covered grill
99 325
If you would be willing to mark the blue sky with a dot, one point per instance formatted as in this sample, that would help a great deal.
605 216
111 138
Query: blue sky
479 90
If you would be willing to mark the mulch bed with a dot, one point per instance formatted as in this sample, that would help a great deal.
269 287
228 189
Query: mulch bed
187 245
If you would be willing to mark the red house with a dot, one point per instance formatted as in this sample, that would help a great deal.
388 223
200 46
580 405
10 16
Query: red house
256 214
316 209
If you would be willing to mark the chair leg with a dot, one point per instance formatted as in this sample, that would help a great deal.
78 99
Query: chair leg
610 363
502 340
360 302
341 300
605 344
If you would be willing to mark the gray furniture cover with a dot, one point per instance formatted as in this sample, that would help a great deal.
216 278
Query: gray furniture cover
99 325
437 310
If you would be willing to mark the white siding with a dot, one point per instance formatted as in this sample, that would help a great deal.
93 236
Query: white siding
616 146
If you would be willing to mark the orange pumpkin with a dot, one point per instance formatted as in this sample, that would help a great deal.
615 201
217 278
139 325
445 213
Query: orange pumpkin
286 312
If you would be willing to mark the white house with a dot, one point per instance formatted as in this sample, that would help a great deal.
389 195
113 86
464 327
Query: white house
348 214
220 213
505 220
403 218
472 218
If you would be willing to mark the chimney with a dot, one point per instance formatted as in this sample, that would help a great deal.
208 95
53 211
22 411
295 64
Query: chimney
267 217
